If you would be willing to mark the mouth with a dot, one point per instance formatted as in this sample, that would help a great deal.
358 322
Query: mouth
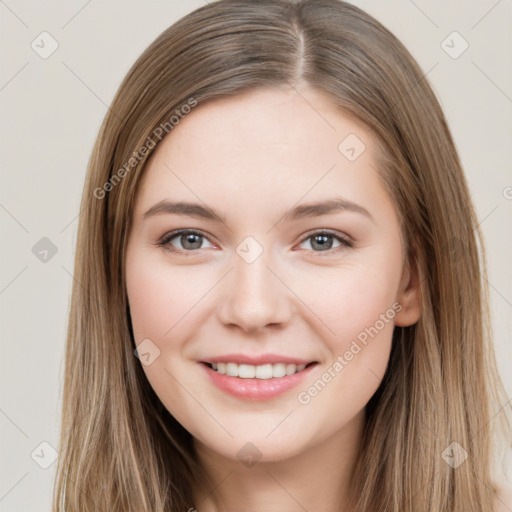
262 371
257 382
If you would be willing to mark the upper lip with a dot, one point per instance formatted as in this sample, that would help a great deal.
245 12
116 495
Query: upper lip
257 360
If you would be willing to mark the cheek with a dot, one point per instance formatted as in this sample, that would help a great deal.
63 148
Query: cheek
160 298
357 308
151 302
362 319
349 299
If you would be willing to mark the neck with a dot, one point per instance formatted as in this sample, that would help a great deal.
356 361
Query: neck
317 478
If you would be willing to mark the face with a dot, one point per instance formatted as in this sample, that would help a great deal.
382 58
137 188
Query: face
263 279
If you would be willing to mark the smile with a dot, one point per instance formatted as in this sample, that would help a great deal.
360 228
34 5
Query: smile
256 382
264 371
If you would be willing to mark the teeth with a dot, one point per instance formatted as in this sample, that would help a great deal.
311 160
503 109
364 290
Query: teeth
246 371
232 369
290 369
264 371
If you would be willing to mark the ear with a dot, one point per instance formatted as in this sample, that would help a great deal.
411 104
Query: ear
409 295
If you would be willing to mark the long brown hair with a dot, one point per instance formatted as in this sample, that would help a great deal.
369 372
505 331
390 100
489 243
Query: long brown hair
120 449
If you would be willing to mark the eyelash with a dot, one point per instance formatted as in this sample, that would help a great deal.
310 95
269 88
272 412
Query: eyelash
164 242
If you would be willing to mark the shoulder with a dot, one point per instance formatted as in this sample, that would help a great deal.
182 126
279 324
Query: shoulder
504 500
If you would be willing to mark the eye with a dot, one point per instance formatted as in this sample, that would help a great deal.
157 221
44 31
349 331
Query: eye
189 240
323 241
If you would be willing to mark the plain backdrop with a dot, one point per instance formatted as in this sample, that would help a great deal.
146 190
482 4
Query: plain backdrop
51 110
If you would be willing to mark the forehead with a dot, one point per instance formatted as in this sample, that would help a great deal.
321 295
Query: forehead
267 118
264 146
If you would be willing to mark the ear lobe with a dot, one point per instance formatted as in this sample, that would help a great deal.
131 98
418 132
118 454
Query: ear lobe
409 295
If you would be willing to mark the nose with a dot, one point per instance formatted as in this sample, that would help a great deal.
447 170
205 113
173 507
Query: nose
255 296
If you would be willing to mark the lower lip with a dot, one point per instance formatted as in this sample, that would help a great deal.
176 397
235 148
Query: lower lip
256 389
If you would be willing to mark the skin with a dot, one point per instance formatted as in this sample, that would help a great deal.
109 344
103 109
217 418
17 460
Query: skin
252 157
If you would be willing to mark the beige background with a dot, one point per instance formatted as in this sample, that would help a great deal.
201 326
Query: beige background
51 110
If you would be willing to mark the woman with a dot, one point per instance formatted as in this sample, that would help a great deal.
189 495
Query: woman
278 302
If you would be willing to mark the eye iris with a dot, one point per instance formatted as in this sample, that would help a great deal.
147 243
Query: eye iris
194 239
324 243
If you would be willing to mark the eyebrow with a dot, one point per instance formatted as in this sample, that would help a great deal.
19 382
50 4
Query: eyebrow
298 212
